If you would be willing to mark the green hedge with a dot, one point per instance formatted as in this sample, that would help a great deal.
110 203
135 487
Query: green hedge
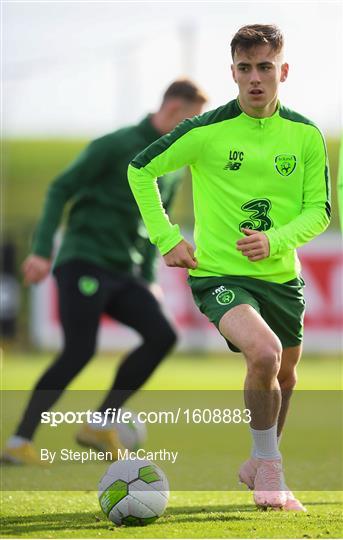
30 165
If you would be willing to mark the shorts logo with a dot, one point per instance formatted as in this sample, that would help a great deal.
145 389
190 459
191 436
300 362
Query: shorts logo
285 164
224 296
88 285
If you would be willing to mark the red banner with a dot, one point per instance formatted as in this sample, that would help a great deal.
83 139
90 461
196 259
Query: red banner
322 269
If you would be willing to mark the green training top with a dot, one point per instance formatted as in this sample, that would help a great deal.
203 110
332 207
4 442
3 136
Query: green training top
267 174
104 225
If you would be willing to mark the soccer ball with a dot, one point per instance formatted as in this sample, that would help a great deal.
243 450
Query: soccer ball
133 492
133 434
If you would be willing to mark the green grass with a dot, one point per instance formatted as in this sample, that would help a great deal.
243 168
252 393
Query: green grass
188 515
197 514
197 372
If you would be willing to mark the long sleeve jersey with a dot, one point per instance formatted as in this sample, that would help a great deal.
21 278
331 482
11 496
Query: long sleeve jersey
269 174
104 224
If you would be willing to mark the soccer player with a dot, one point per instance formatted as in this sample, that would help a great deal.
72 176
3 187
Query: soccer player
95 270
261 189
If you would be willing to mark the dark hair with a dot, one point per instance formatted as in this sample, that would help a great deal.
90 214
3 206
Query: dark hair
257 34
185 89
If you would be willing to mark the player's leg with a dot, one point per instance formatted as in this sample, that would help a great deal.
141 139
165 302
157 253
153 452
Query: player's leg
79 316
283 309
287 378
244 327
137 308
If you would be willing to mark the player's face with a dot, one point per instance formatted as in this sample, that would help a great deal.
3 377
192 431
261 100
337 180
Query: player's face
258 73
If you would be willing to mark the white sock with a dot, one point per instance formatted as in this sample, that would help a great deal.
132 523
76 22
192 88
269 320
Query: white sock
15 441
265 443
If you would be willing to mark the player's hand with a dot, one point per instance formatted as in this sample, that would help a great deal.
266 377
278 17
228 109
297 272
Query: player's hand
35 268
182 255
255 245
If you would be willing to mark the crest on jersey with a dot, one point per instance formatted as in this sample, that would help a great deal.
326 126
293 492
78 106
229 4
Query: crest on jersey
285 164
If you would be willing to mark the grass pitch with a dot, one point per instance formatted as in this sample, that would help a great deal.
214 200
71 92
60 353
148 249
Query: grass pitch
210 514
188 515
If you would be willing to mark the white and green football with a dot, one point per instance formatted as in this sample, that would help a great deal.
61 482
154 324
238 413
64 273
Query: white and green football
133 492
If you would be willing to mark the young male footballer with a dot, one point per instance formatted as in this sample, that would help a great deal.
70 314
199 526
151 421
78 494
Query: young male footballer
95 268
261 189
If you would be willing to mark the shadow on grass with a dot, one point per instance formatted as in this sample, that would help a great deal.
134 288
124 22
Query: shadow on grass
95 522
320 503
92 521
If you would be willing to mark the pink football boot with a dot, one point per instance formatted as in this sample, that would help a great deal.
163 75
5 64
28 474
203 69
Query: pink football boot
247 474
268 485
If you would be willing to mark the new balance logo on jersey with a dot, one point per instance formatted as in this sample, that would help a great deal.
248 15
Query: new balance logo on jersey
235 160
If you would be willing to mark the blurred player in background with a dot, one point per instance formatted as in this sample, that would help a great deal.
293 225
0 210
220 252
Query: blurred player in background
261 189
96 268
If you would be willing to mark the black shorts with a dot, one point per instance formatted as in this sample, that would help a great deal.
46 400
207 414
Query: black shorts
86 291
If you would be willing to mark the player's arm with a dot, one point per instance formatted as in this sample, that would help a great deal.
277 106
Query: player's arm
168 186
83 171
179 148
315 214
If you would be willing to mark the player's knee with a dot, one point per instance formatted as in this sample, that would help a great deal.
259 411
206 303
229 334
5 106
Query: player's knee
168 337
288 381
78 354
265 359
162 337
